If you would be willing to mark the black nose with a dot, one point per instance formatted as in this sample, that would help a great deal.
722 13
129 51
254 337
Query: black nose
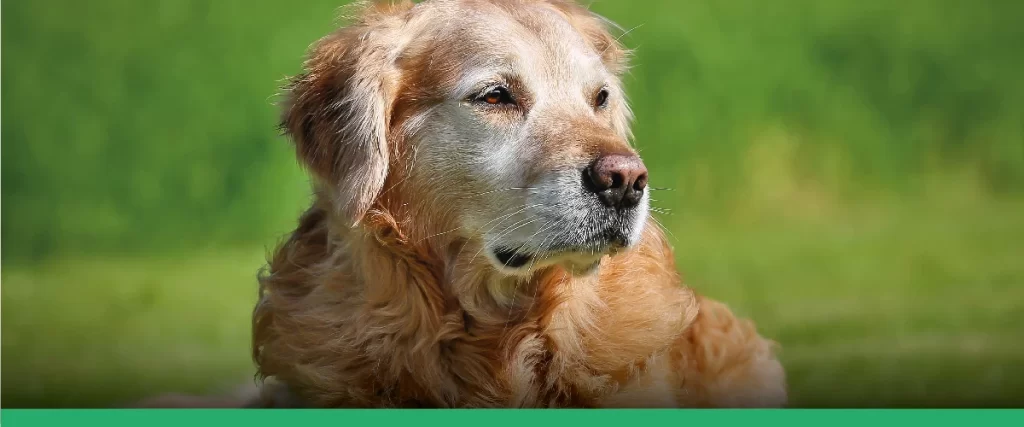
617 179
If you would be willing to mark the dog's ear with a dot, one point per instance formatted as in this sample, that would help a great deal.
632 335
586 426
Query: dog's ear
337 111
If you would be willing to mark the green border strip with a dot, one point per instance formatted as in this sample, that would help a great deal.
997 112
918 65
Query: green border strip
501 418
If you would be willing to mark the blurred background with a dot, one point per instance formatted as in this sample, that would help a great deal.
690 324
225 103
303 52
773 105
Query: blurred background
848 173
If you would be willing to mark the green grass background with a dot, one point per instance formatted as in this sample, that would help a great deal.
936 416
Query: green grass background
848 173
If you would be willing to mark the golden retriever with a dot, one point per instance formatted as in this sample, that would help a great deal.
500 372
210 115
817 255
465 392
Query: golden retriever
480 235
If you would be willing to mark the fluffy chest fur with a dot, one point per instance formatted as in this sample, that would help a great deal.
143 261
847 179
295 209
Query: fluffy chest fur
371 320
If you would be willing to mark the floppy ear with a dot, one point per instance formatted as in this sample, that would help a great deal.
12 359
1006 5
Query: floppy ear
337 111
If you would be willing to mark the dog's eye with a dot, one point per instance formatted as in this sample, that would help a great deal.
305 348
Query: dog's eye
601 100
497 96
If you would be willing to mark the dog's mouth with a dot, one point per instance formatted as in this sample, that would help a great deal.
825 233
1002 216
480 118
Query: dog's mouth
579 250
512 258
578 260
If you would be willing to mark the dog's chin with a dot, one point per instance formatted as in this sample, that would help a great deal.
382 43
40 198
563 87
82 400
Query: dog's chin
578 255
576 261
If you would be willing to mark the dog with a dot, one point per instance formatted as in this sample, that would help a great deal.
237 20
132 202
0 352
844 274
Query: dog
480 234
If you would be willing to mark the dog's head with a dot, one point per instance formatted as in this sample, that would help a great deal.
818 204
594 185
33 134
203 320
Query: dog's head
500 122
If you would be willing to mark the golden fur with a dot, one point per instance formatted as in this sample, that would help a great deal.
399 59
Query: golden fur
376 300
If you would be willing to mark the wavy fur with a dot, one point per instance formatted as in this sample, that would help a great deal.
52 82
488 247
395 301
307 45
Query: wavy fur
380 297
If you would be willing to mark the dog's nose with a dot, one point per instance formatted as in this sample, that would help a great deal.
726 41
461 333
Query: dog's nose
618 179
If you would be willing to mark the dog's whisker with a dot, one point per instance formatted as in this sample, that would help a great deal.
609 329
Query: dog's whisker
508 230
506 216
440 234
516 251
514 213
461 227
499 220
546 227
504 189
544 242
512 228
663 227
517 225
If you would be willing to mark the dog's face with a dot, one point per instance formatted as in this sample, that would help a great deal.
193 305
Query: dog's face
506 118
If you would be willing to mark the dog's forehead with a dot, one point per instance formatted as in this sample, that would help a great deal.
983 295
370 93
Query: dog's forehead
536 44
